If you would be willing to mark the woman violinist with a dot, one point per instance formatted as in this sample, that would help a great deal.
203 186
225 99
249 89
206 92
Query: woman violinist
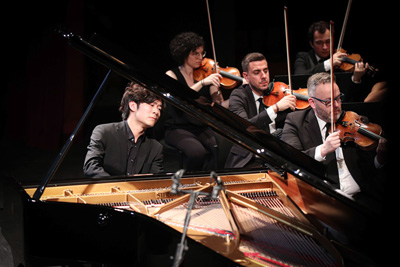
195 139
188 51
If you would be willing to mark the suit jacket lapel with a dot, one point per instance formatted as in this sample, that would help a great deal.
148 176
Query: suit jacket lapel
122 136
316 139
313 58
312 128
251 102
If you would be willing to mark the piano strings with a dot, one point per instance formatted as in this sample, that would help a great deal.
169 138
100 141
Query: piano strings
270 233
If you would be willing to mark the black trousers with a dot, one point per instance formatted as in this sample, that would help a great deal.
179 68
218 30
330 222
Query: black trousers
198 146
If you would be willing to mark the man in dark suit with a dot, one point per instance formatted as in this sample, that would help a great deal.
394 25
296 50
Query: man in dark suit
123 148
318 58
353 171
246 101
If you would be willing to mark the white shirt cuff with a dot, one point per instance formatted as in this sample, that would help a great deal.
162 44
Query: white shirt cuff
318 156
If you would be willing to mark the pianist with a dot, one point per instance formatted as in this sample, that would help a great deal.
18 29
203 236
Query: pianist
122 148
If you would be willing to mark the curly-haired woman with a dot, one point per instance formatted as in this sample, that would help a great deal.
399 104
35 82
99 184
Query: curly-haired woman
196 140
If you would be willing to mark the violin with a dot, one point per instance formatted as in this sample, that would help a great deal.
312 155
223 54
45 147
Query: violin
353 129
349 61
230 75
281 89
350 125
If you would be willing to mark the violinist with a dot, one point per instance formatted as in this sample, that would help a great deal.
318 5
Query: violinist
187 50
318 58
247 102
196 140
354 172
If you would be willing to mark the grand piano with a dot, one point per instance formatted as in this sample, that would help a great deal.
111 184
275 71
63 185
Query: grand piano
284 215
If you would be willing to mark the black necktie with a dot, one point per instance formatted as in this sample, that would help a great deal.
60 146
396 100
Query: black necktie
261 106
327 126
331 164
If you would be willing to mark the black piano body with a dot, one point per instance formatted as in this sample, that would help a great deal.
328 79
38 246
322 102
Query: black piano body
63 234
55 230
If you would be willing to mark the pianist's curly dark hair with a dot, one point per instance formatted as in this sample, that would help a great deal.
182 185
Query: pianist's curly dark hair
183 44
137 93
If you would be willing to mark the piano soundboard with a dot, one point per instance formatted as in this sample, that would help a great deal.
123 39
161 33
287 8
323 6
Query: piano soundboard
252 221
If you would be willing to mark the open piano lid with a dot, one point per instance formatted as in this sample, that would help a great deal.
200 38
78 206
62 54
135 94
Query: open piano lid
320 200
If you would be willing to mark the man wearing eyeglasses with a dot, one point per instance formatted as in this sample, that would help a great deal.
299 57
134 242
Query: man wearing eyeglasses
306 130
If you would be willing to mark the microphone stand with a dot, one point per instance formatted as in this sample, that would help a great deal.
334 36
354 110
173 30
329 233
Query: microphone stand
182 246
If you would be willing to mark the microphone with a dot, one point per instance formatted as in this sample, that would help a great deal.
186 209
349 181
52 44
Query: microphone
176 177
218 187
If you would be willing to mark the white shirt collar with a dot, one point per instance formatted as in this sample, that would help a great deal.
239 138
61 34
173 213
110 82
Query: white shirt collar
256 97
321 123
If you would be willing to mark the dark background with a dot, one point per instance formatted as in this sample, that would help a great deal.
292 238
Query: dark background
48 84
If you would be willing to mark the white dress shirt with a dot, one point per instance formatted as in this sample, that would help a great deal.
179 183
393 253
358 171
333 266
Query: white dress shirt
348 186
270 111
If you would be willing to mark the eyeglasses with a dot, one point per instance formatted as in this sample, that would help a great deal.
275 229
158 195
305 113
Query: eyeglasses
197 54
327 103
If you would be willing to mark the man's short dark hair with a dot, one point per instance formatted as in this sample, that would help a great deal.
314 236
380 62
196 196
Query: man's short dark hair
138 94
255 56
320 26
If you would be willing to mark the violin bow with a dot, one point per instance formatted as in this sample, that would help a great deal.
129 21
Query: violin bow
287 49
346 17
212 38
332 80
